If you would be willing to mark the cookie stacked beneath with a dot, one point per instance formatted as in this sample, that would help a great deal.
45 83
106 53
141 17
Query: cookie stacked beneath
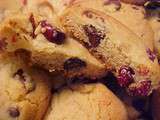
79 51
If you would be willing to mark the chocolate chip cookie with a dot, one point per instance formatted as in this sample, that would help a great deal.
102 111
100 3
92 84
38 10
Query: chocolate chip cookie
135 66
49 46
24 92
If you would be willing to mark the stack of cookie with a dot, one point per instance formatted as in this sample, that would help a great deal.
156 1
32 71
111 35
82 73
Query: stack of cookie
79 60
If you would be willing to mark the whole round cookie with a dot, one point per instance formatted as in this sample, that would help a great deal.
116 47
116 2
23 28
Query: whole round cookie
24 92
135 66
86 102
131 16
49 46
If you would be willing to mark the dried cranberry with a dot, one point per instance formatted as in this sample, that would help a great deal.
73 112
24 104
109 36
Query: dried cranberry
125 76
142 88
94 35
24 2
32 20
74 63
52 34
13 112
151 54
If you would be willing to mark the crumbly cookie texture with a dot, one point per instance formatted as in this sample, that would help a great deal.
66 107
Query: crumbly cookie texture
131 16
24 92
115 45
87 102
49 46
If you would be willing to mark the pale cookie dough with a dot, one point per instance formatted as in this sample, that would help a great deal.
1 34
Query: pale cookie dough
24 92
86 102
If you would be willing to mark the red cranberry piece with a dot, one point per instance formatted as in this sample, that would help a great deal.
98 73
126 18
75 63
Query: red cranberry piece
142 88
125 76
74 63
24 2
13 112
94 35
52 34
151 54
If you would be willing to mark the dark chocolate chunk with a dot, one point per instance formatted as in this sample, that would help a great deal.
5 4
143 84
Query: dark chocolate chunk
95 35
13 112
74 64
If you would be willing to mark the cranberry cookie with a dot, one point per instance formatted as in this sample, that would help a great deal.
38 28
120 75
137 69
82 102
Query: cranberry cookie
135 66
49 46
24 92
131 16
86 102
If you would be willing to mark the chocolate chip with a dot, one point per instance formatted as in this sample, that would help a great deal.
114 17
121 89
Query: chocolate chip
74 64
95 35
13 112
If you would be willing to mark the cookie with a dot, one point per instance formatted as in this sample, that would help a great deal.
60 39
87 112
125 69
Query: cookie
24 92
136 67
49 46
153 16
42 7
131 16
86 102
7 7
